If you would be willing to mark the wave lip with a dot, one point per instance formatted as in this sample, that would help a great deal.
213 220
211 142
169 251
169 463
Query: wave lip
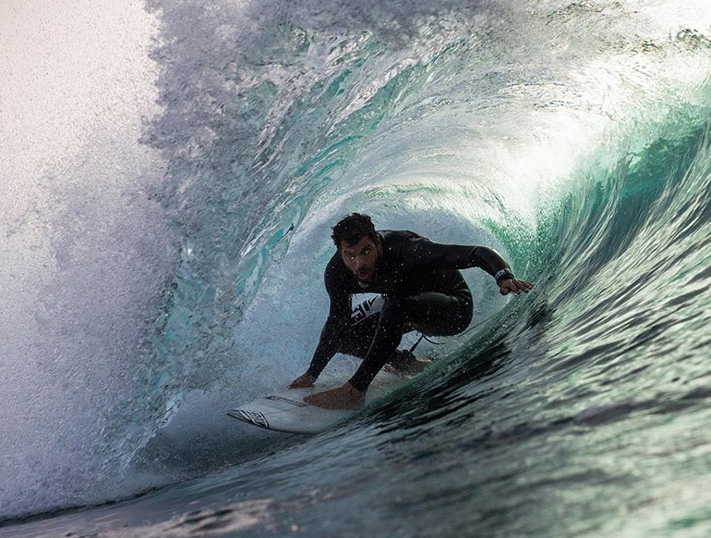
582 157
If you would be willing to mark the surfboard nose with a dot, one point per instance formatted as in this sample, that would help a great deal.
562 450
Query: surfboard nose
253 417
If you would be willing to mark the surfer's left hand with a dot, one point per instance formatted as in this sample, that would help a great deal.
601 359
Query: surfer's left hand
345 397
513 285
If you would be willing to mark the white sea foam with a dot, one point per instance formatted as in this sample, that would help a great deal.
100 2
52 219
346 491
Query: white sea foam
459 121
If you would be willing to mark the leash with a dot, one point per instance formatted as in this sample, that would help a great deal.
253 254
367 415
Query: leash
423 337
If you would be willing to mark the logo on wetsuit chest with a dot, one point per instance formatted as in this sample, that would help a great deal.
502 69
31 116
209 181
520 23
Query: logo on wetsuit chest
366 308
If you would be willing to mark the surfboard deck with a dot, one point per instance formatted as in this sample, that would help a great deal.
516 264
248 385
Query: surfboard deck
286 411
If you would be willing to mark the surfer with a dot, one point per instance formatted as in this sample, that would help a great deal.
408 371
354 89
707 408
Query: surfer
422 288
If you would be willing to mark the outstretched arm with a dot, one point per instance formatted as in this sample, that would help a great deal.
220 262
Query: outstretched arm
330 338
329 342
427 253
327 347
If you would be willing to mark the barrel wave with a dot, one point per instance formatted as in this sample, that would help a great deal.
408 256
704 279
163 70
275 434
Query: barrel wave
573 137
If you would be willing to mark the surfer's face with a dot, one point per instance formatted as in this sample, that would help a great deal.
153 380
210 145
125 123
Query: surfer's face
361 258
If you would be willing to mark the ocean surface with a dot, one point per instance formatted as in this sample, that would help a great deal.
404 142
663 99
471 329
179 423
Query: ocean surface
171 171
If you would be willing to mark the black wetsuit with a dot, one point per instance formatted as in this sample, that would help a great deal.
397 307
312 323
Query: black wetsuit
422 288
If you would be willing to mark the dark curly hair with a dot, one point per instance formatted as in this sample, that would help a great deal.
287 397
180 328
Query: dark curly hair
353 228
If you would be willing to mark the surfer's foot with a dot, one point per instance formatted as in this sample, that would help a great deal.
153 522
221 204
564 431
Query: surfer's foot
346 397
406 364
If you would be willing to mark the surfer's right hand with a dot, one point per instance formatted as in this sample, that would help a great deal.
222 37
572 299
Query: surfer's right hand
306 380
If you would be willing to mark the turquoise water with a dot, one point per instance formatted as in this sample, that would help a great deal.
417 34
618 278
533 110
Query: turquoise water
573 137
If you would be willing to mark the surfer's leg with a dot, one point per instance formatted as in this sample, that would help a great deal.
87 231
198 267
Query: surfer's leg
357 340
431 313
391 325
437 314
364 323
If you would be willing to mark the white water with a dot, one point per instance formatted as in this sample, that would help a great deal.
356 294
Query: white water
84 250
95 224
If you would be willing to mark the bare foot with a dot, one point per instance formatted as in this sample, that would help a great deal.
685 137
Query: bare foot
406 364
346 397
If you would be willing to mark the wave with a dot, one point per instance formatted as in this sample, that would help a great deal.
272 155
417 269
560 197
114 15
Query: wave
570 136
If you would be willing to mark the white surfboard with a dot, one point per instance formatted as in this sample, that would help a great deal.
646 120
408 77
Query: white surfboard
287 412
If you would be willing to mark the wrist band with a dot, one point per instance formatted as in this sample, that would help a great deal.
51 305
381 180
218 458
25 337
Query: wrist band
504 273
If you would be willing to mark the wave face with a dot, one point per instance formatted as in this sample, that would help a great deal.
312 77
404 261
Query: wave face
572 137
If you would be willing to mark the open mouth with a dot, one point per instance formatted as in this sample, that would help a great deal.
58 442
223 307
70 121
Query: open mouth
363 274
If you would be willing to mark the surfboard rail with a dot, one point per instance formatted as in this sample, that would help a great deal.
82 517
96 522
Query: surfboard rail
287 412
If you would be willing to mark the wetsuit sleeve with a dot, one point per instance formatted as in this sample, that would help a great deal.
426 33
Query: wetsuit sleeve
336 323
424 253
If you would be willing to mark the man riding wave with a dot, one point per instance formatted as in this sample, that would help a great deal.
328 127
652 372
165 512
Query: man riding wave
422 289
